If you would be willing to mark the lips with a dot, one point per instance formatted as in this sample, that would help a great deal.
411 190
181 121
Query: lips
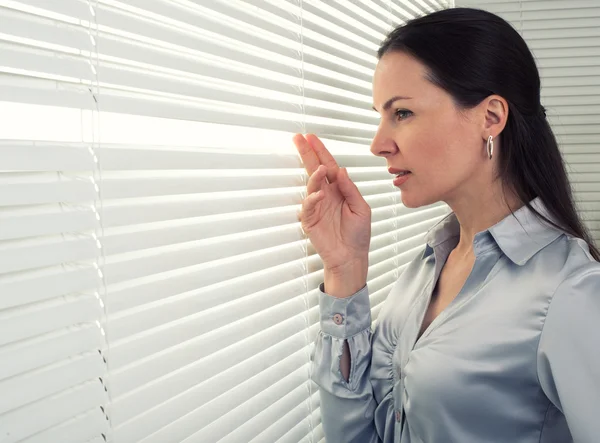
398 172
401 175
401 179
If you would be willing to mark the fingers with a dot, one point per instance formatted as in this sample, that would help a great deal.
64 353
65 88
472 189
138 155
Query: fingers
309 204
315 195
351 193
309 157
314 153
317 180
324 156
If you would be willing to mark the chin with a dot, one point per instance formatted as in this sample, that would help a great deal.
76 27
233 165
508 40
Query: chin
410 200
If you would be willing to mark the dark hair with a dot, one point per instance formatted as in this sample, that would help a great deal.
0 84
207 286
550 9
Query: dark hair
472 54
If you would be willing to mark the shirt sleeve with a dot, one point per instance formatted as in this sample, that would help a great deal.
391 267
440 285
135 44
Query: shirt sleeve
347 407
569 353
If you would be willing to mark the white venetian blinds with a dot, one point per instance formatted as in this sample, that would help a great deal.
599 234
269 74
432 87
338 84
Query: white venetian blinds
148 197
565 39
52 343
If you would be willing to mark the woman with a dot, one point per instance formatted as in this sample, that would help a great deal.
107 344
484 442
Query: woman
491 333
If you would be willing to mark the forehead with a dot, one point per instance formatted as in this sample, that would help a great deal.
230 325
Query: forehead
397 68
398 73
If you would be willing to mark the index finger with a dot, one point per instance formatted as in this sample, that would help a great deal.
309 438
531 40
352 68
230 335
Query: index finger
308 155
325 157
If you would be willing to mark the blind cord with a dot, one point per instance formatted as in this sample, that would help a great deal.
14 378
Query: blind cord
98 207
306 298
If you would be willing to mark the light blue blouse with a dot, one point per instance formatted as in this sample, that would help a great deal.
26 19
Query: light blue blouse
515 358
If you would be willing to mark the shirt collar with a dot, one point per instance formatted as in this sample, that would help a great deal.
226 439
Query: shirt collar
519 237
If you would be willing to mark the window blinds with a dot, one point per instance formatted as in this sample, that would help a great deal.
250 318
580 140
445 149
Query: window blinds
565 40
52 336
154 280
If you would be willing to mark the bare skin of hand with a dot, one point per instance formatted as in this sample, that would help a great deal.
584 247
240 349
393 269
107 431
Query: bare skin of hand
334 215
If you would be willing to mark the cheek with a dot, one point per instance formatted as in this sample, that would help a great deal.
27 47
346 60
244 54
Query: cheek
453 140
430 150
442 156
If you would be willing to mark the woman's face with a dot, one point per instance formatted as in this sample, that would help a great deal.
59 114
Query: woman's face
422 131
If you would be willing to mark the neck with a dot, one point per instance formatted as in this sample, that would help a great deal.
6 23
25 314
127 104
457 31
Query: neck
477 211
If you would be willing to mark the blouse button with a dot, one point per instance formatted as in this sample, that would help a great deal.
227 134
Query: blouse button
338 319
398 416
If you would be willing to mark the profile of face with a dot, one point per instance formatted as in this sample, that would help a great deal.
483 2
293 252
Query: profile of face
423 131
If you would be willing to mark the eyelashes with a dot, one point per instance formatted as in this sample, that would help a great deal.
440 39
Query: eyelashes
402 114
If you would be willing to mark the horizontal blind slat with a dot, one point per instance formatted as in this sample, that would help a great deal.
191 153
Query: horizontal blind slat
332 13
47 220
19 324
128 407
30 287
281 317
25 255
130 186
143 236
270 404
34 386
20 156
87 427
184 306
52 411
275 420
304 429
41 350
45 190
234 384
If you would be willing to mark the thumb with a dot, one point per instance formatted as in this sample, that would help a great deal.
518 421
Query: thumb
350 191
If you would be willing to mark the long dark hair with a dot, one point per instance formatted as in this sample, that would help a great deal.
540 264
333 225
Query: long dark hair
472 54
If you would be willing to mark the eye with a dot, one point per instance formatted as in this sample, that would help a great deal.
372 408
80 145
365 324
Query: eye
402 114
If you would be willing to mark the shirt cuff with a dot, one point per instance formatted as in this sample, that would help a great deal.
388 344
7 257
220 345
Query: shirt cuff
345 317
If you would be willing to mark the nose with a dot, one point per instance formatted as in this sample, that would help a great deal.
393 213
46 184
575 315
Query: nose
383 145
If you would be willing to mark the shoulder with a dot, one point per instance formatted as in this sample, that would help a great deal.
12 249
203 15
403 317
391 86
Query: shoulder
567 355
576 299
575 250
579 287
562 260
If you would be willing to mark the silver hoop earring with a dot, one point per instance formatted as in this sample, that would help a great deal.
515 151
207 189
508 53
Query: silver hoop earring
490 147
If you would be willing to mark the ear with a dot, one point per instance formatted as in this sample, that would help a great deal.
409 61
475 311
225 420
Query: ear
496 114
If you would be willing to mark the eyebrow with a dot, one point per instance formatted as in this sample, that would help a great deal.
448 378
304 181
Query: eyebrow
389 103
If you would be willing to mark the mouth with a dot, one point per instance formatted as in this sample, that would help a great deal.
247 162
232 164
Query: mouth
401 175
399 172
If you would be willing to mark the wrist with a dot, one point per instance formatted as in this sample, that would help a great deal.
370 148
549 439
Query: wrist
347 279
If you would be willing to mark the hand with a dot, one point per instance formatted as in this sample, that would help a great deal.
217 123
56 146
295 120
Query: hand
334 215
